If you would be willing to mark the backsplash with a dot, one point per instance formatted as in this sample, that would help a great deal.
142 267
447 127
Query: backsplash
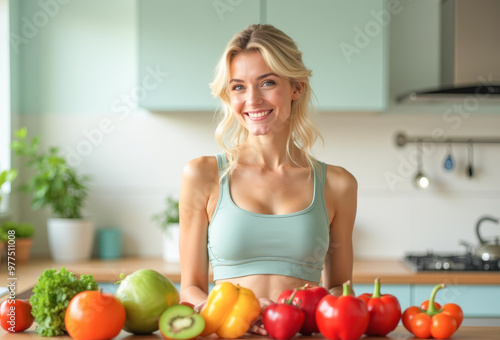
137 165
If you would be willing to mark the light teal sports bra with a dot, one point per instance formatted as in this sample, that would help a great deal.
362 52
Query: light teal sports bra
243 243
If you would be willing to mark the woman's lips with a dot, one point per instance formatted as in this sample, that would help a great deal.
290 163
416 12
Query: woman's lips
258 115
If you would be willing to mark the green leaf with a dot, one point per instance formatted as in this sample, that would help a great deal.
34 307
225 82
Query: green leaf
21 133
11 175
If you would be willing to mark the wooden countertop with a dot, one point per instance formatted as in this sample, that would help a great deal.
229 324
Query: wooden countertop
365 271
463 333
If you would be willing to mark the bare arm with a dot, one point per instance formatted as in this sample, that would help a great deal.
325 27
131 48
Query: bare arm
195 202
341 197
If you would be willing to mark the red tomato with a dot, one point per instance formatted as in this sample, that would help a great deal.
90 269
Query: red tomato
15 315
92 315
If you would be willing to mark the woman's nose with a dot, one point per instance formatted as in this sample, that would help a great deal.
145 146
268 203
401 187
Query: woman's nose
253 96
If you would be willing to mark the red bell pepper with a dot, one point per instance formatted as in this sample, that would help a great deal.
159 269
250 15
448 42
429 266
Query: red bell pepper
282 321
384 310
342 318
440 323
309 297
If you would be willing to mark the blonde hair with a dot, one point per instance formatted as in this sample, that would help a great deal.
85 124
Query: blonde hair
284 58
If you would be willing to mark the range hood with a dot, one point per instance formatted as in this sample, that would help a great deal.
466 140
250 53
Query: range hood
470 52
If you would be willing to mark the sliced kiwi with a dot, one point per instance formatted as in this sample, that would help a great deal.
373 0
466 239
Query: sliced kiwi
181 322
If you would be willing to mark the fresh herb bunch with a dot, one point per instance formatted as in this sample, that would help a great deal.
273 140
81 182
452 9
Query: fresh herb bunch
51 297
170 215
54 183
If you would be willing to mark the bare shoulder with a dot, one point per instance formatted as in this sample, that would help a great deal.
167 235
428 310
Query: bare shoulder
340 181
201 170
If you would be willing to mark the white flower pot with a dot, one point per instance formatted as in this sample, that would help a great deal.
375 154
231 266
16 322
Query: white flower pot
171 244
70 240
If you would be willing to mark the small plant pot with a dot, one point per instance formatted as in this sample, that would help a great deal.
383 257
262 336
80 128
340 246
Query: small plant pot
171 244
23 249
70 240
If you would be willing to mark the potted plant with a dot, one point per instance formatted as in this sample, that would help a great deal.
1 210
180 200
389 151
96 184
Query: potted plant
168 221
56 185
22 240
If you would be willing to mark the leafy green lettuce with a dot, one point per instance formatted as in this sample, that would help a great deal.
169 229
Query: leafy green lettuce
51 297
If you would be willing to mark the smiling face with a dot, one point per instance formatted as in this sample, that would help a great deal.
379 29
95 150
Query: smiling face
260 98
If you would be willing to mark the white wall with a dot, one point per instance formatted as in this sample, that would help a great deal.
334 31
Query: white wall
138 160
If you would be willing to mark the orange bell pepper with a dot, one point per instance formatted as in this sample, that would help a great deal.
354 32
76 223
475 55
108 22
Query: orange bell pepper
229 311
432 320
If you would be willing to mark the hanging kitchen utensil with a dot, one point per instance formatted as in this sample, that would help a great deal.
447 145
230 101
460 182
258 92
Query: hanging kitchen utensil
421 181
448 162
470 156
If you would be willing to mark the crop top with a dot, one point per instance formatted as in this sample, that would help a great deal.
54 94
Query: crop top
243 243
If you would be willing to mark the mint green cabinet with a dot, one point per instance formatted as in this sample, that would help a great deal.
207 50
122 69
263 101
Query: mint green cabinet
475 300
180 43
344 43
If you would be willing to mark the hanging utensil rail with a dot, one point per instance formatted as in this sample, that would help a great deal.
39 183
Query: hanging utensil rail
402 139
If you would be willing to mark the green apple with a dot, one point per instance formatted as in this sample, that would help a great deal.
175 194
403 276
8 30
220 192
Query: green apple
181 322
145 294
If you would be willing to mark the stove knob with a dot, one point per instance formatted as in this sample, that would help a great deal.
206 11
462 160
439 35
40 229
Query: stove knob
486 266
438 265
446 265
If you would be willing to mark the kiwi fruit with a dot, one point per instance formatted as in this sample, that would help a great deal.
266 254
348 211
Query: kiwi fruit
181 322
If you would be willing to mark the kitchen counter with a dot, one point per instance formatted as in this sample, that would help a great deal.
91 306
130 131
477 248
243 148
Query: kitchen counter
463 333
365 271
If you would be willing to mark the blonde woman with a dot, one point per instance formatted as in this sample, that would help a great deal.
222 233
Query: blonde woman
264 212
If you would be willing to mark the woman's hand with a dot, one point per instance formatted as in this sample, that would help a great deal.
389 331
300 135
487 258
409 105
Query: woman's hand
199 306
257 326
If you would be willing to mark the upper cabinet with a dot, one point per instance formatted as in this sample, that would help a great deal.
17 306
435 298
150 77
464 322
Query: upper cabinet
180 43
343 42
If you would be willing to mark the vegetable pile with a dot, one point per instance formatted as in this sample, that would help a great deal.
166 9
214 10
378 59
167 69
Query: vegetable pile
147 301
51 297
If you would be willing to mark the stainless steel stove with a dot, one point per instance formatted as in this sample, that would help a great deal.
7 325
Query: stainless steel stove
449 262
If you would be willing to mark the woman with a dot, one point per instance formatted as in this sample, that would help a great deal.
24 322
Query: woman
265 213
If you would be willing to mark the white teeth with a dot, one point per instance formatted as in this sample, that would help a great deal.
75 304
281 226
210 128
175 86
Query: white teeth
259 114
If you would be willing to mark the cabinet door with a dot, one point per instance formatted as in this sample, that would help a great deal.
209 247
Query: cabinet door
344 44
180 42
475 300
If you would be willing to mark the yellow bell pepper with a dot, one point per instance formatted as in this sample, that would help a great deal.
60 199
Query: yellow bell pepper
229 311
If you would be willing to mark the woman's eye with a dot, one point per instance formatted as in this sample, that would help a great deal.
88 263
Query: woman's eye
269 83
237 87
